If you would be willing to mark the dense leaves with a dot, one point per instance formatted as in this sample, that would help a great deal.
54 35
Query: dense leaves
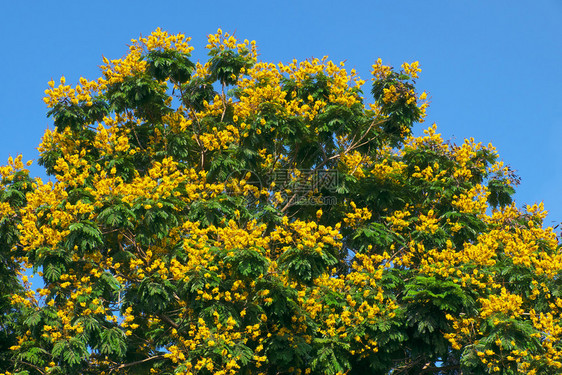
234 216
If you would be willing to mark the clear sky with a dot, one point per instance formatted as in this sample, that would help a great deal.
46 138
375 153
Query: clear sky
493 69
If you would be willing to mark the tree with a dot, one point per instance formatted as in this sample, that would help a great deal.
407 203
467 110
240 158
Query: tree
244 217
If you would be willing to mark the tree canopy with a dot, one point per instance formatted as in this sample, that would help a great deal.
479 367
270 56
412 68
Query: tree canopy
236 216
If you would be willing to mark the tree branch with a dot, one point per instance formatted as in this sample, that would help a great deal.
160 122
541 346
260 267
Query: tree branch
160 356
168 320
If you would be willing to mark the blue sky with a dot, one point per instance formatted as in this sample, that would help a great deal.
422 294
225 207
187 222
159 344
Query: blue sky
493 69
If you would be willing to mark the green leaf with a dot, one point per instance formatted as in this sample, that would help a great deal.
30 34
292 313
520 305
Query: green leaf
169 64
113 342
85 236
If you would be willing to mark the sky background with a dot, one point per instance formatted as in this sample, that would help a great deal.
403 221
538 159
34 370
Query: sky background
493 69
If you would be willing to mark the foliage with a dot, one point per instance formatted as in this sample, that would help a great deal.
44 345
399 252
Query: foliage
244 217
